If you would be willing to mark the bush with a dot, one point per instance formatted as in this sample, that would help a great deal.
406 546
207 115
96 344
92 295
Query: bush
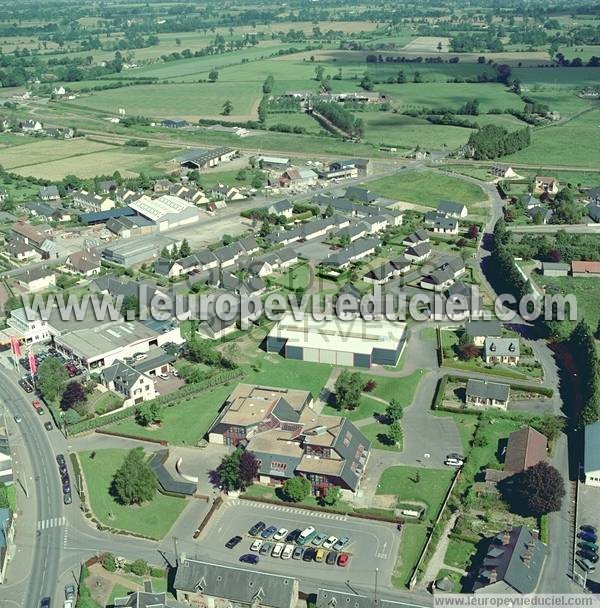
138 567
109 563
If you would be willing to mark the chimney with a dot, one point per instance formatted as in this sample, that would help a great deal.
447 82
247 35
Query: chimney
493 576
526 557
535 535
506 537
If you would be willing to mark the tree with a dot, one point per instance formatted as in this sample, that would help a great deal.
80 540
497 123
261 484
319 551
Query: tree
202 351
213 75
258 181
468 351
227 107
394 411
149 412
536 491
249 467
51 379
296 488
228 472
348 388
109 563
185 249
73 395
332 496
473 231
394 433
139 567
130 307
134 482
319 72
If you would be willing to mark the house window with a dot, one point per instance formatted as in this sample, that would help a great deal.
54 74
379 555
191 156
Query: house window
278 467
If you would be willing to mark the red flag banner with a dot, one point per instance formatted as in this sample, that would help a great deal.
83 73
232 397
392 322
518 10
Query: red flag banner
15 346
32 363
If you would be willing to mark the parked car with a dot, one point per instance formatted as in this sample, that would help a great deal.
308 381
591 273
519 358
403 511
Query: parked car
309 554
70 592
37 406
288 551
266 548
586 565
331 558
233 542
18 419
249 558
343 559
280 534
60 459
453 462
292 537
67 498
585 545
589 555
277 550
25 385
257 528
66 486
330 542
588 528
306 535
320 554
341 543
317 541
48 425
297 554
588 536
268 532
256 545
45 602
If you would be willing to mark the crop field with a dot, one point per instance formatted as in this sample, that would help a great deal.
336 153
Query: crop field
295 120
189 101
128 161
565 77
572 143
428 44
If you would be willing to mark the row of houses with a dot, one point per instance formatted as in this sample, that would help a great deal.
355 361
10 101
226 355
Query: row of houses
577 268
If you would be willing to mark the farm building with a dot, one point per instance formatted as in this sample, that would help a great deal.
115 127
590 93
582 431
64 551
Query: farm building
294 177
174 123
273 162
555 269
585 269
166 211
503 171
591 459
206 158
357 343
101 217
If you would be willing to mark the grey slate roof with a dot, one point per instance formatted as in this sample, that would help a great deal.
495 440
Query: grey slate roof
488 390
450 207
360 194
491 328
348 442
502 347
143 599
445 223
418 236
239 585
593 211
333 598
122 372
340 258
418 250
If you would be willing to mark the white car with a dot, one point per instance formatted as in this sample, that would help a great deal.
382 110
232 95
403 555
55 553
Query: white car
280 534
330 542
277 550
287 552
256 545
453 462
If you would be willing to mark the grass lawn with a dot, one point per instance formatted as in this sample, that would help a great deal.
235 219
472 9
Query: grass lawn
459 553
297 277
430 489
105 402
118 591
367 408
586 290
427 188
11 496
153 519
402 389
183 424
411 545
376 433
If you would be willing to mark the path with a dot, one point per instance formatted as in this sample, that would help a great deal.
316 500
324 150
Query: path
326 395
436 563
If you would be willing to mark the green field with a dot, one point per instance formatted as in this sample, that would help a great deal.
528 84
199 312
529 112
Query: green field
585 289
153 519
411 545
428 486
427 188
376 433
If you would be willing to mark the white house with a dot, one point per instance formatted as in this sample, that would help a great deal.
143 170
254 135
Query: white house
591 458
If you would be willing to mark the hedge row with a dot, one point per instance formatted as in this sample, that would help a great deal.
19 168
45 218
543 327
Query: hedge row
184 393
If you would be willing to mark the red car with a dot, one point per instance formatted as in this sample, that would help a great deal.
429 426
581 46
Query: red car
343 559
37 405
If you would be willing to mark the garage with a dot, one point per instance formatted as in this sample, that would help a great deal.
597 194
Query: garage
311 354
344 358
327 356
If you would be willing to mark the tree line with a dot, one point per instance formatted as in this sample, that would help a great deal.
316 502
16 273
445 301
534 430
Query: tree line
492 141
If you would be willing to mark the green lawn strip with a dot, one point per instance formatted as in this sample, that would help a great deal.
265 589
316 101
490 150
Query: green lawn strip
294 278
11 496
183 424
402 389
269 493
473 366
376 433
429 334
367 408
153 519
459 553
105 402
430 488
411 545
427 188
118 591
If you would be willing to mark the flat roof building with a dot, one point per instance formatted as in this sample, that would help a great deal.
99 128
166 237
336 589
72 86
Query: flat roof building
166 211
137 251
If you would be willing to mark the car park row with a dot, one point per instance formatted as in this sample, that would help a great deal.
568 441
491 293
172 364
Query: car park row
587 547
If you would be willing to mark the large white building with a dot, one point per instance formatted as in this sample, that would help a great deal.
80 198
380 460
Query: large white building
357 343
166 211
591 458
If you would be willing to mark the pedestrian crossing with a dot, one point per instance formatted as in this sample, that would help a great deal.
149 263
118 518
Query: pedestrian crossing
53 522
285 509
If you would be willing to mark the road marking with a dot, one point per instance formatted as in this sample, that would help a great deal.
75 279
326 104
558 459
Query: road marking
54 522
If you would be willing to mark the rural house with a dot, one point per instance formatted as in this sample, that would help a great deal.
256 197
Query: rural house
501 350
489 394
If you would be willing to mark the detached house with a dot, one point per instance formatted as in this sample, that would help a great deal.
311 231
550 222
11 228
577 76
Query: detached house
478 331
501 350
227 193
445 225
37 279
546 184
283 208
420 236
133 385
86 263
49 193
489 394
452 209
31 126
418 253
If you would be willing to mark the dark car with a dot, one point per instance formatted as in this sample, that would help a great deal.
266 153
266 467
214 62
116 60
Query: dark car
265 548
25 385
249 558
66 486
268 532
45 602
292 537
309 554
331 558
67 498
48 425
590 537
297 554
588 528
60 459
64 473
587 554
70 592
233 542
257 528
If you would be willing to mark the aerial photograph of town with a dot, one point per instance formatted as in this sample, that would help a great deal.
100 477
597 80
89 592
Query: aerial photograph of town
299 303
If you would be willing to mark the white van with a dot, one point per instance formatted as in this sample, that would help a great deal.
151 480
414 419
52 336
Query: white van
288 551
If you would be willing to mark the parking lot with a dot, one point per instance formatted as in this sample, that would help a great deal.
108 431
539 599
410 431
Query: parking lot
588 513
372 545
